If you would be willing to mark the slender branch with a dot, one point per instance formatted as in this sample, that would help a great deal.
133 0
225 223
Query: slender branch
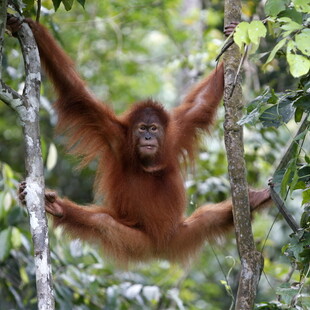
283 210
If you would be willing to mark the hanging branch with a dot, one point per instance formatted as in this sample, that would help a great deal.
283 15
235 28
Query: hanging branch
27 108
251 260
283 210
282 165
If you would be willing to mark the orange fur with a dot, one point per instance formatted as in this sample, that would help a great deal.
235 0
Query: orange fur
143 215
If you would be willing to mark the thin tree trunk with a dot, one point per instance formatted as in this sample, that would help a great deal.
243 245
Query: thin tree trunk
251 260
3 6
27 108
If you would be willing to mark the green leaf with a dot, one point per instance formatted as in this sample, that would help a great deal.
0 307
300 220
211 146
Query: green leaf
256 30
2 209
293 15
298 115
301 136
5 243
305 217
303 103
299 65
306 196
81 2
29 4
303 41
254 107
16 238
274 7
7 200
304 254
241 36
289 26
67 4
7 172
294 181
250 118
306 85
56 4
304 172
278 114
253 49
274 51
286 180
277 179
287 292
302 5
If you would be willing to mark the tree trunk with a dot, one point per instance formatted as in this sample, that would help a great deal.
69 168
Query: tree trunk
27 108
251 260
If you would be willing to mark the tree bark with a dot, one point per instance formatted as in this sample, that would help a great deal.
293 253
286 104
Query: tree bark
3 6
27 108
251 260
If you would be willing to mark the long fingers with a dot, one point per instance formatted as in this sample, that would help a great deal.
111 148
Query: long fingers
51 204
258 198
50 197
13 23
22 192
229 29
54 208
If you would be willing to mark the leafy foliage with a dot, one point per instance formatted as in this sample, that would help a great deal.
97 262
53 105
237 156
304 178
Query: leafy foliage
289 19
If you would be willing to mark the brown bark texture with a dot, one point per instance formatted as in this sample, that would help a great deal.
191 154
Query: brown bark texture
251 260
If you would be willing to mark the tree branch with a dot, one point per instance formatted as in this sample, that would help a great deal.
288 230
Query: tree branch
283 210
251 260
27 108
282 165
10 97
